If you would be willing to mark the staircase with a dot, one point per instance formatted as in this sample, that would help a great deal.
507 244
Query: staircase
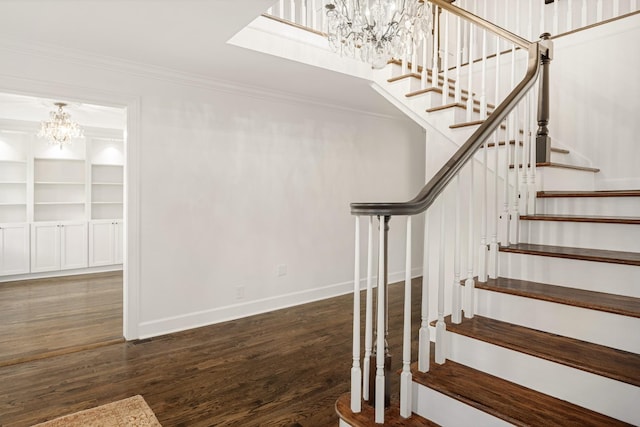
552 338
551 318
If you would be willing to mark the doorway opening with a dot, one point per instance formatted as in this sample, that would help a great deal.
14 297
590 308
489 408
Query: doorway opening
63 210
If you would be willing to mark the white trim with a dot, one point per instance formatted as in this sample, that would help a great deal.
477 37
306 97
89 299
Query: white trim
38 88
198 319
146 71
60 273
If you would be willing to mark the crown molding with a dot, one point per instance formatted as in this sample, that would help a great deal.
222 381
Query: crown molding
167 75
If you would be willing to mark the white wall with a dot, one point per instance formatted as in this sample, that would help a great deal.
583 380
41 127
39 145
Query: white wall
233 184
594 99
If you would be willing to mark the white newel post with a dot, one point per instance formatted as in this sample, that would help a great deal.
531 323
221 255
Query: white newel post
368 323
380 338
405 377
356 373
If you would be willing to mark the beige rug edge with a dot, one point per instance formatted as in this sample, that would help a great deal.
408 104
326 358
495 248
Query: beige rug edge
133 411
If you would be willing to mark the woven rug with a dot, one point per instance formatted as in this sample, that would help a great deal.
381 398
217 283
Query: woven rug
133 411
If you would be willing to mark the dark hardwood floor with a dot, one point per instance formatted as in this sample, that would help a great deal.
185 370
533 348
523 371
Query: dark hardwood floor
45 317
283 368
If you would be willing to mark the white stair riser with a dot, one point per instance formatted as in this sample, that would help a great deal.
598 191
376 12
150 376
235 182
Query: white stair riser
610 397
616 279
611 330
556 179
450 412
611 206
615 237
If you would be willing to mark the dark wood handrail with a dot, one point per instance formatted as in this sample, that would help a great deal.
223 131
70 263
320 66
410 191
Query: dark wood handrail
439 182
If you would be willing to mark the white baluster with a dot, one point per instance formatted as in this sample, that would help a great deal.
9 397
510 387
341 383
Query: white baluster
497 99
424 350
483 90
303 13
436 41
368 323
425 63
556 17
532 190
484 194
281 9
356 373
456 295
569 16
599 13
292 11
414 57
314 16
530 20
458 89
405 377
270 11
514 216
542 19
440 325
380 338
584 13
526 160
470 77
469 284
445 57
633 5
503 236
493 246
616 8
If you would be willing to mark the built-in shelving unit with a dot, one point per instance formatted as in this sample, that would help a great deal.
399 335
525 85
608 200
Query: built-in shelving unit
60 208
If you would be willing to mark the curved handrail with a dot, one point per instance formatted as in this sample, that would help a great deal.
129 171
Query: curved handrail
441 179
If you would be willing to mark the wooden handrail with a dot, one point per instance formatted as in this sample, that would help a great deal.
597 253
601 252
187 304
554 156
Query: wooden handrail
439 182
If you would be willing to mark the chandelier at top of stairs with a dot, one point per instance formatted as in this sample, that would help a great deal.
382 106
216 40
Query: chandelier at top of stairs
60 129
376 31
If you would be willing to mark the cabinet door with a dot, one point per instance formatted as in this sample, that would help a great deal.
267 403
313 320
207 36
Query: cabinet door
73 245
14 249
45 247
101 243
118 242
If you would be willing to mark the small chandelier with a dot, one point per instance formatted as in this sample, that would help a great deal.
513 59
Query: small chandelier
60 129
376 30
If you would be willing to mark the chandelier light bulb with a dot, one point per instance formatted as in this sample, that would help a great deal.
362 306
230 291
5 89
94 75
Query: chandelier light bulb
60 129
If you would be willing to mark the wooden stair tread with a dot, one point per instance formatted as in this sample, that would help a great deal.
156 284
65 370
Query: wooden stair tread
601 301
474 123
583 218
521 144
599 255
506 400
561 166
597 359
601 193
366 417
456 105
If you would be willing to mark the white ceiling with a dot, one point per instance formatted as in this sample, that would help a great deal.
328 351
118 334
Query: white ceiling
184 35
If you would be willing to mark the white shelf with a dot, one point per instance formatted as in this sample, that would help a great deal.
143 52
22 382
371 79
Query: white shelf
56 159
13 182
107 183
59 183
107 164
59 203
106 203
13 204
13 161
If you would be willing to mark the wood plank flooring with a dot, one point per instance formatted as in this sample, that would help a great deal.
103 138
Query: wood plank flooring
45 317
284 368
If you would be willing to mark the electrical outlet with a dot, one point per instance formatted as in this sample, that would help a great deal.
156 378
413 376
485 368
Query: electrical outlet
281 270
239 292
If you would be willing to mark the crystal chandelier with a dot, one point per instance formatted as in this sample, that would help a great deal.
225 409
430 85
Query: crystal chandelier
376 31
60 129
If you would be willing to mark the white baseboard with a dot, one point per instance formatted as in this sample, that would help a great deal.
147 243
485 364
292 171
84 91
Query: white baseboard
61 273
198 319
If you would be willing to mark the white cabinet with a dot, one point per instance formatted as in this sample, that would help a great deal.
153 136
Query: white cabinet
105 242
14 248
58 246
